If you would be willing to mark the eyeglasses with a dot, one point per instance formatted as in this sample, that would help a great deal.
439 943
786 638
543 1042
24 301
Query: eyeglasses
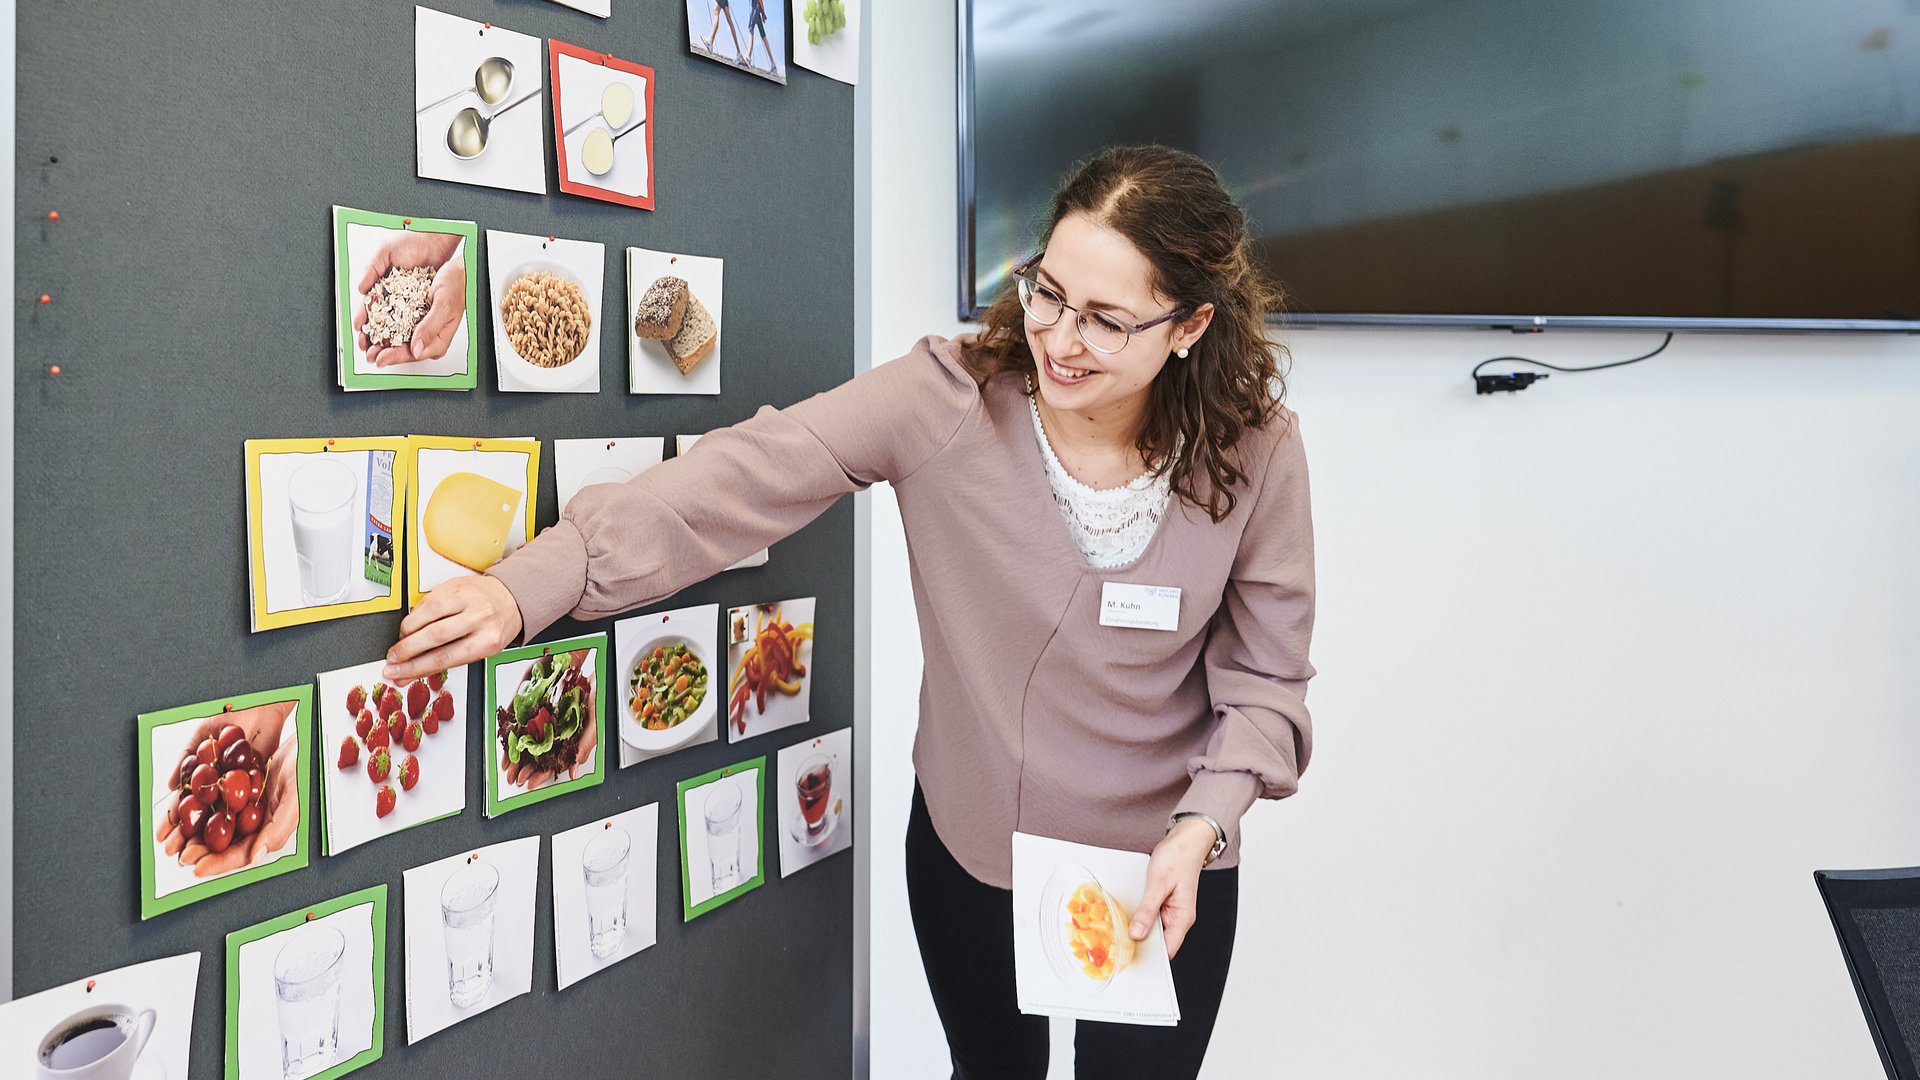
1102 332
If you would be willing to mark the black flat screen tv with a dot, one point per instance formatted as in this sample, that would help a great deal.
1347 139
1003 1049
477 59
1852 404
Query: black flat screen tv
1664 164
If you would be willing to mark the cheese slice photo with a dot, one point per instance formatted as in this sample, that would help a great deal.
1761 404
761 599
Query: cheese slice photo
468 519
470 504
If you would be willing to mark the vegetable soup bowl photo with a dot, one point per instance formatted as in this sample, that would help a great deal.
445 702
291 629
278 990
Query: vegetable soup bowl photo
667 694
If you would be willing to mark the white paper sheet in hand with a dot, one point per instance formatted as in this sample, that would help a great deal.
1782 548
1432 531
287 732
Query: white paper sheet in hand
1059 885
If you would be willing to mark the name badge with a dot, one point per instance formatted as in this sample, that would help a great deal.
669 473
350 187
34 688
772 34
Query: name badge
1142 607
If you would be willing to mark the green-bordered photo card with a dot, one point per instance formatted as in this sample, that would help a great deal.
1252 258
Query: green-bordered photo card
223 795
307 992
721 854
406 302
546 710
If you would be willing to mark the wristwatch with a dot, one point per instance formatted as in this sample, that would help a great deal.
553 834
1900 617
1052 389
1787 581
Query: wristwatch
1219 834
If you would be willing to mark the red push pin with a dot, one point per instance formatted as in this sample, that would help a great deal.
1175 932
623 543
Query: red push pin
476 444
673 259
309 916
608 825
54 370
46 299
53 215
550 239
90 985
609 444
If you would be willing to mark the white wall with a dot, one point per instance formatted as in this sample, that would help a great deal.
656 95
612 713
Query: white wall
1608 668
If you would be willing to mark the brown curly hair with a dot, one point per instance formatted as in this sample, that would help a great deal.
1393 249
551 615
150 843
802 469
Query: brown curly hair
1170 204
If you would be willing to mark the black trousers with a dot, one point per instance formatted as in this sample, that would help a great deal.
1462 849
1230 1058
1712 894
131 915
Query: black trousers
965 930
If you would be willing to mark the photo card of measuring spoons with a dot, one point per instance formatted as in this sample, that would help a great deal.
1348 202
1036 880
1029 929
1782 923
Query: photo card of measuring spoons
473 83
602 125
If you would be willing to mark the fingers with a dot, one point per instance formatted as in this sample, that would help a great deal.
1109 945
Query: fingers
377 268
389 355
193 853
433 635
166 818
476 628
175 840
440 603
283 813
221 862
1176 921
1159 888
267 725
436 329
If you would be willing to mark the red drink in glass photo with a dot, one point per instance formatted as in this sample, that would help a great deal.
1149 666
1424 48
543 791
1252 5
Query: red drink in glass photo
813 785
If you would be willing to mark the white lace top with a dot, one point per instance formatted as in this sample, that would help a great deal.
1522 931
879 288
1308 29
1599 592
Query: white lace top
1112 526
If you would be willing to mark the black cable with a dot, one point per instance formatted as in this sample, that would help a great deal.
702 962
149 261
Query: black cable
1520 380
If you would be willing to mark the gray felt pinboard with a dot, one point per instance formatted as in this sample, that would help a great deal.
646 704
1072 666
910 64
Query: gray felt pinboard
199 146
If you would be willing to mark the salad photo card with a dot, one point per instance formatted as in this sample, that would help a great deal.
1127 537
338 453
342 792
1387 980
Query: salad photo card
578 463
307 992
602 125
476 103
769 681
813 787
668 697
469 503
604 892
721 857
405 302
135 1021
1073 950
392 756
469 933
320 528
546 711
546 312
223 787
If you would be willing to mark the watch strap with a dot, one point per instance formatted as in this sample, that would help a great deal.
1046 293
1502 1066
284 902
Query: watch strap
1219 847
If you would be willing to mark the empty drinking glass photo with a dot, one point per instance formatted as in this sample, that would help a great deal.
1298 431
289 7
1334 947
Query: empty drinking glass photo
466 914
604 866
306 985
469 932
604 911
720 835
723 834
303 999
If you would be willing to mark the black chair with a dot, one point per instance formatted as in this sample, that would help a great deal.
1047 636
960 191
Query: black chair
1877 915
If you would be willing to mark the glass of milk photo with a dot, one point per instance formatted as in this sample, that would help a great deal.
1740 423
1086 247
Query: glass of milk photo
326 527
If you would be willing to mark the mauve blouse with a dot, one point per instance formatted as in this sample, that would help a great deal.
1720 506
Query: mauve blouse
1034 717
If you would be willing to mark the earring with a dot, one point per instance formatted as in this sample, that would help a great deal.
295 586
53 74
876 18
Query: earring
1181 352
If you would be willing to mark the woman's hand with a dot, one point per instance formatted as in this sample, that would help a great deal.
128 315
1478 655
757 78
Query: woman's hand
446 310
461 621
279 803
1173 881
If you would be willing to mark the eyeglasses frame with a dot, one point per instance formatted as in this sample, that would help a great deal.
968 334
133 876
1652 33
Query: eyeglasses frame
1024 273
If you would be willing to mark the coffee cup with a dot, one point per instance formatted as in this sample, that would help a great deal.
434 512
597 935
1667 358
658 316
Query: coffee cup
102 1042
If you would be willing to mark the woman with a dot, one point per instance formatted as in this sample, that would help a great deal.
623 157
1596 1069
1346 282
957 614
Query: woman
1115 424
757 21
722 7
